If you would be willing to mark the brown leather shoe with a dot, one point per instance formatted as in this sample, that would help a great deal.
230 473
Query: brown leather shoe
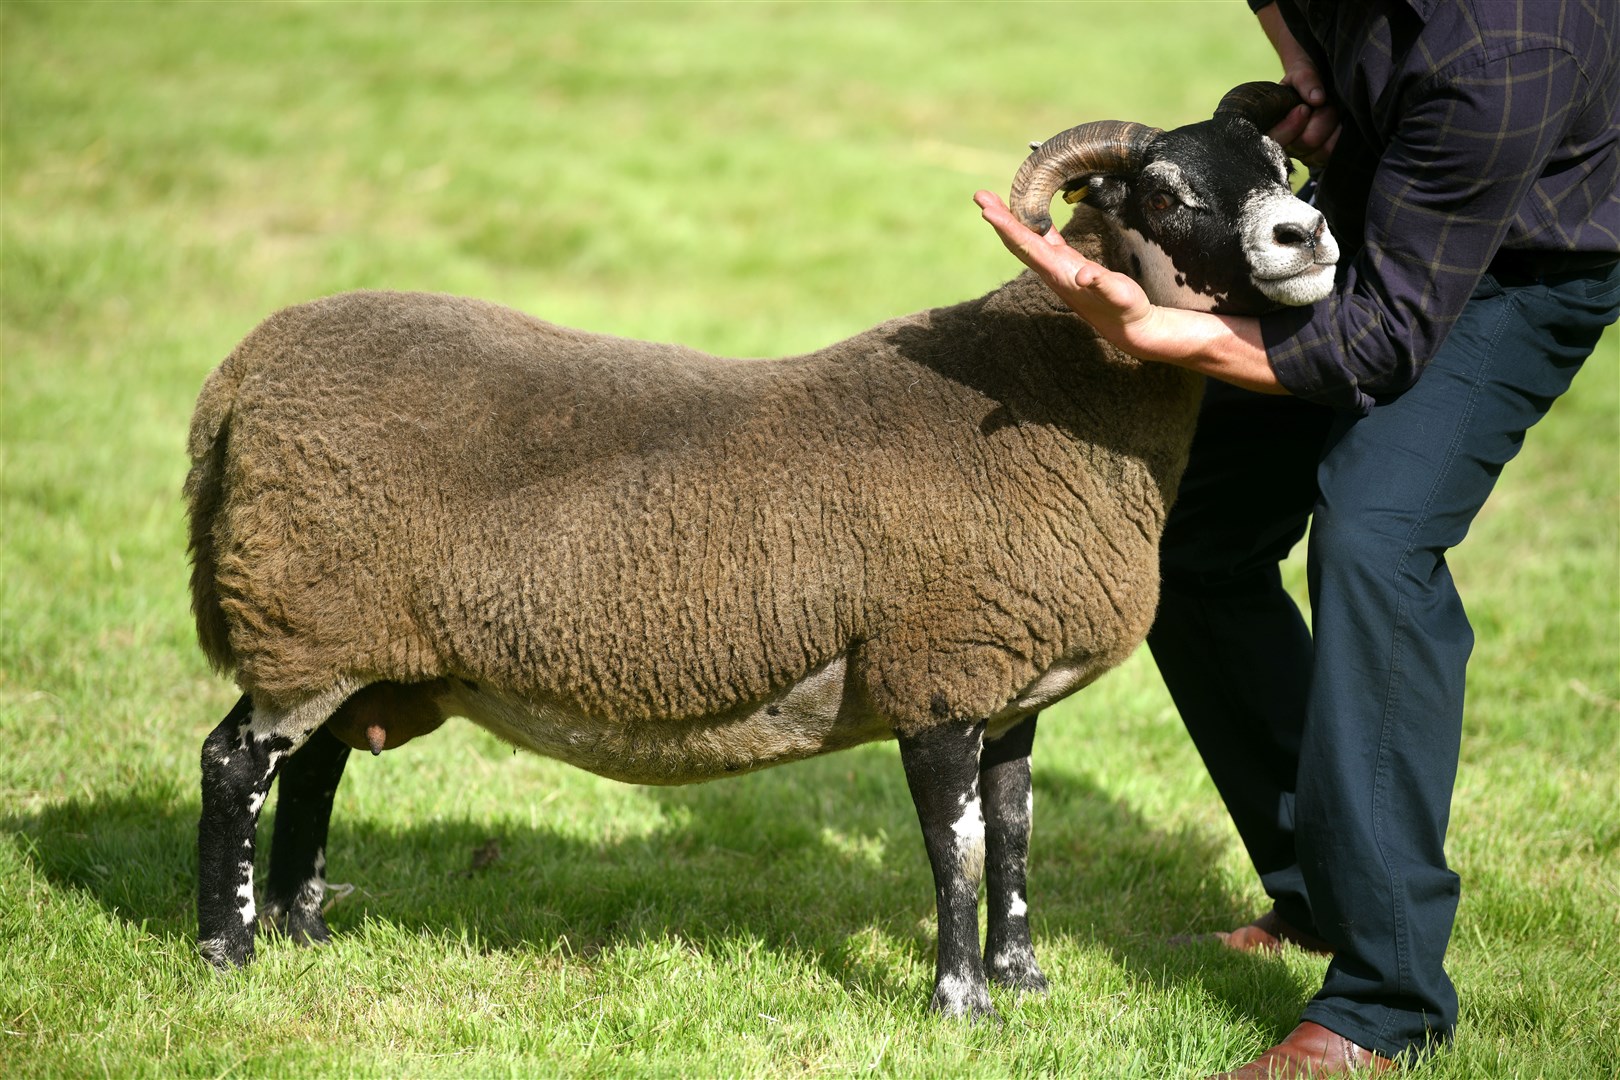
1311 1050
1269 933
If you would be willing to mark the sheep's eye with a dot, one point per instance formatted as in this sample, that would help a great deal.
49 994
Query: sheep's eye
1160 201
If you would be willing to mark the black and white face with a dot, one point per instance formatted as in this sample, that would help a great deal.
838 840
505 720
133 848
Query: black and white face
1209 223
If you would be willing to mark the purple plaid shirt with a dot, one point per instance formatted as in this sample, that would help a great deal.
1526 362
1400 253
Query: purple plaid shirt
1474 130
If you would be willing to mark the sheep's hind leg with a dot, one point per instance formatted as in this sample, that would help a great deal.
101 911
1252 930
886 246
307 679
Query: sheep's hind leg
942 770
240 759
297 881
1009 955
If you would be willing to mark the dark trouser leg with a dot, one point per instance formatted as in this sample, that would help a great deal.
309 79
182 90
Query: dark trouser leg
1004 785
942 771
1380 747
297 879
1229 640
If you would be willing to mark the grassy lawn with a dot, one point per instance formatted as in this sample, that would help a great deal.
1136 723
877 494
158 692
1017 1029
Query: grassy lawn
754 180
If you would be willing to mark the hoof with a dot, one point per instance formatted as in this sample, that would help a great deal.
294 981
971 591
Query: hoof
300 929
958 999
226 954
1015 968
309 936
1024 980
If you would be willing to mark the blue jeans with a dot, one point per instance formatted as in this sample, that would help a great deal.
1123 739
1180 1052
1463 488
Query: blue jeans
1335 748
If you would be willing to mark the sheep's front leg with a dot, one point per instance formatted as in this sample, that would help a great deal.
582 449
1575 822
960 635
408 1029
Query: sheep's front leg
942 771
297 883
1004 784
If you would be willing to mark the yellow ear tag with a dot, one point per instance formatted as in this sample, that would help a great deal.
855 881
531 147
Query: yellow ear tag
1076 195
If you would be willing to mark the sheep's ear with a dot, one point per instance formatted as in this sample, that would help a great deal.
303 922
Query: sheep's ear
1106 193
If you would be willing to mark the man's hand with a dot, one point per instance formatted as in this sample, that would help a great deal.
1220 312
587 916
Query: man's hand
1111 302
1311 130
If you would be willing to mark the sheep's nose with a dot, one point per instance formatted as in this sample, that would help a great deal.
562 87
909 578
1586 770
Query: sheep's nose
1298 233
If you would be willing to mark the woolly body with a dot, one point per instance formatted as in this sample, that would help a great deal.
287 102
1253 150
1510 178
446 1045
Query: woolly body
664 566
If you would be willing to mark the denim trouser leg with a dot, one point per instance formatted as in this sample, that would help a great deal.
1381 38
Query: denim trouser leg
1378 756
1352 845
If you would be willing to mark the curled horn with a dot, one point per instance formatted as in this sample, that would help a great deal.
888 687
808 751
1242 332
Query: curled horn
1262 104
1104 146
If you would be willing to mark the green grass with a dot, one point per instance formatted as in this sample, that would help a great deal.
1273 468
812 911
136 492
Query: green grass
753 180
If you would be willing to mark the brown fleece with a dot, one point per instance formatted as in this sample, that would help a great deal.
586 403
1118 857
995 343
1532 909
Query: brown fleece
411 487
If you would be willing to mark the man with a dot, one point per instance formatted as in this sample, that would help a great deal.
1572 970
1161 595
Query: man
1472 160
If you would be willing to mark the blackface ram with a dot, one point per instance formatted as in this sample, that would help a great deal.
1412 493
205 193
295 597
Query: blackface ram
667 567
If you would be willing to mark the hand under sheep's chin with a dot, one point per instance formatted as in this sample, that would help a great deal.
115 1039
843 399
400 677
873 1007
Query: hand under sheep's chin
1306 287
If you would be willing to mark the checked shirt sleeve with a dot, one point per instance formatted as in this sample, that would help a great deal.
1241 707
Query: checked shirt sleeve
1468 147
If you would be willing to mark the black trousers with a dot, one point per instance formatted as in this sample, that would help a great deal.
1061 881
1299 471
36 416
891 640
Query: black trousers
1335 748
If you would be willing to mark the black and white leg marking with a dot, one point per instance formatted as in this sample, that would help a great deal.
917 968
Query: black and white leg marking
240 759
1004 784
942 771
297 881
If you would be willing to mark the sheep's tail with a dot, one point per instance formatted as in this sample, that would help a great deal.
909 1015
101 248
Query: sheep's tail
204 490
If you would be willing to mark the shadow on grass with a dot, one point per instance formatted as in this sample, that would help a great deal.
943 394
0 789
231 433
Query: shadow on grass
822 860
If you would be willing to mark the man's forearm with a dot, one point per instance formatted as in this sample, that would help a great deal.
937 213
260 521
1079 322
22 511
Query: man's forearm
1288 50
1225 347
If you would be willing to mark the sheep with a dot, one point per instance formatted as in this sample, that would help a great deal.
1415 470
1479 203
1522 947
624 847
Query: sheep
667 567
